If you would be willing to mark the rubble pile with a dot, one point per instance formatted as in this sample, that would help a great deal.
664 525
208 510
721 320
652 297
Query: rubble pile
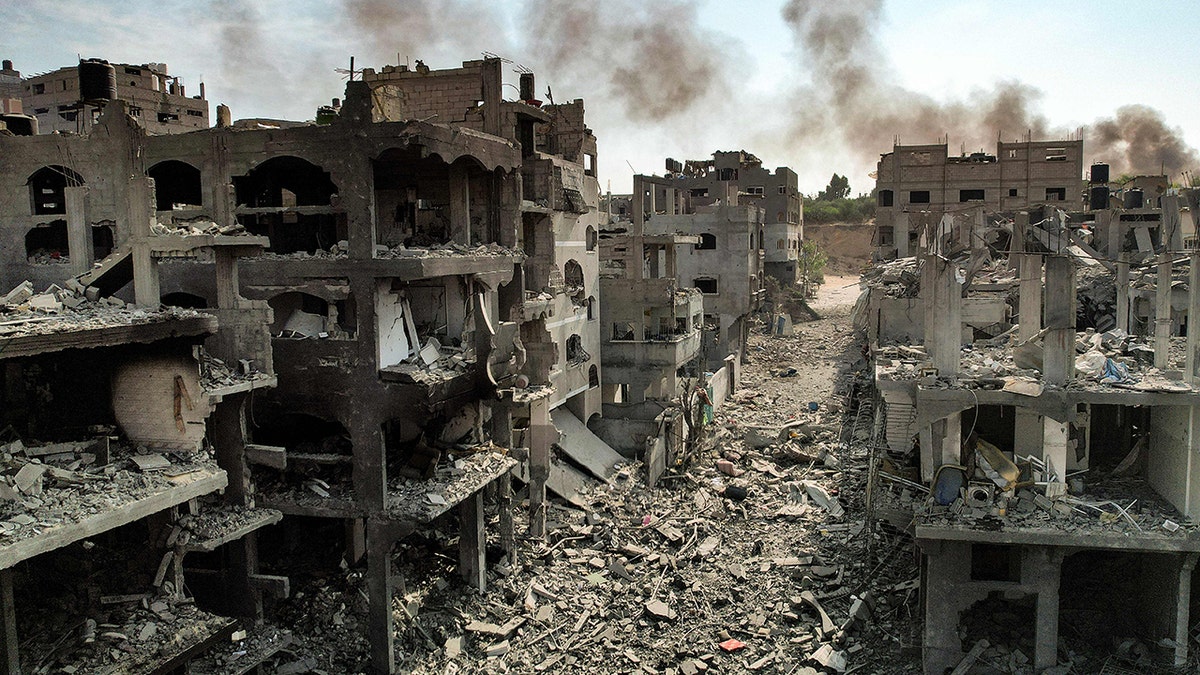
72 307
46 485
899 278
1113 358
442 251
198 227
748 558
47 256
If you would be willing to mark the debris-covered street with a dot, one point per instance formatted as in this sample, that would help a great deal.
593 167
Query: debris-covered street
753 557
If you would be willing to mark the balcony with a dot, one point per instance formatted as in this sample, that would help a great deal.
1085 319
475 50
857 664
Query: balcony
673 351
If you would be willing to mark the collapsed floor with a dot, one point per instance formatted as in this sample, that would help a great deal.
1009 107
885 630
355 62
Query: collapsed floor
753 556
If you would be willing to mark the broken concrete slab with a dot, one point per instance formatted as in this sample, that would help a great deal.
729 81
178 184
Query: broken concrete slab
584 447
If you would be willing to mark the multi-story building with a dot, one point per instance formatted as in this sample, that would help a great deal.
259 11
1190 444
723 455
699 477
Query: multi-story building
1045 487
124 422
429 283
726 264
919 183
70 99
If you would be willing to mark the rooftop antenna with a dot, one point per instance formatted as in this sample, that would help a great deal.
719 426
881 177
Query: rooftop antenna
631 167
344 72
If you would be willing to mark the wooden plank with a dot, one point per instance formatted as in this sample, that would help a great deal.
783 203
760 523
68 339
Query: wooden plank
266 455
320 457
187 487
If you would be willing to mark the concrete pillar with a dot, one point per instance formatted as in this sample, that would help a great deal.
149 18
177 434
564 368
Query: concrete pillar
508 536
1027 433
356 540
1029 305
79 233
460 205
1123 291
1054 450
639 205
1045 654
942 647
539 471
900 234
942 295
1016 243
1193 321
947 440
1111 229
1183 608
228 284
1058 358
472 542
10 662
1162 310
380 589
140 214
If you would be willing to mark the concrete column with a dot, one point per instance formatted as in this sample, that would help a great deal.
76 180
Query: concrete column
1016 244
1054 450
942 648
1193 321
1058 359
1112 233
508 536
79 233
10 662
140 213
943 314
639 205
900 234
947 440
1162 311
356 540
539 471
1029 305
227 430
460 205
1027 433
472 542
1045 653
1183 602
379 598
1123 291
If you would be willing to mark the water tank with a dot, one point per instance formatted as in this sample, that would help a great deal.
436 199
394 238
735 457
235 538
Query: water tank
527 87
1098 197
97 81
20 125
1134 199
1099 173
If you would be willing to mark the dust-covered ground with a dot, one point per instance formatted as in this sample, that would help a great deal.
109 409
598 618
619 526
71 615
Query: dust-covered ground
751 558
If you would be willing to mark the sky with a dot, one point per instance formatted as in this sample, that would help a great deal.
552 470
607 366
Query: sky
815 85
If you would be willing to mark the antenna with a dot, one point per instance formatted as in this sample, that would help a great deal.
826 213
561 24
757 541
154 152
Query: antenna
343 72
631 167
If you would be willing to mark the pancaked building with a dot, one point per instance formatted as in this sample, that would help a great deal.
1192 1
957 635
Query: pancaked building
1036 440
357 329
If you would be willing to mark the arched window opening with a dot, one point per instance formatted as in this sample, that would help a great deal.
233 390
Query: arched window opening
575 352
591 238
593 377
48 189
708 242
573 280
176 183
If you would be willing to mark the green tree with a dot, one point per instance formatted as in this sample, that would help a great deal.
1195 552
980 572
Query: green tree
812 267
838 188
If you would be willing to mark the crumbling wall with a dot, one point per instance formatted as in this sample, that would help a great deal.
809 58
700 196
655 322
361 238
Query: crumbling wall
157 401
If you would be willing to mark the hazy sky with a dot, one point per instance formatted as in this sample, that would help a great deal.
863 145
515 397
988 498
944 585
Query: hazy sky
682 78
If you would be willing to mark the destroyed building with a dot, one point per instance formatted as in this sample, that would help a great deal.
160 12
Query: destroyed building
421 281
1039 441
917 184
70 99
726 264
128 513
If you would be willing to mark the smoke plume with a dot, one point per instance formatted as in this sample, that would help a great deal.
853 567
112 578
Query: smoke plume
656 59
1138 140
856 101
